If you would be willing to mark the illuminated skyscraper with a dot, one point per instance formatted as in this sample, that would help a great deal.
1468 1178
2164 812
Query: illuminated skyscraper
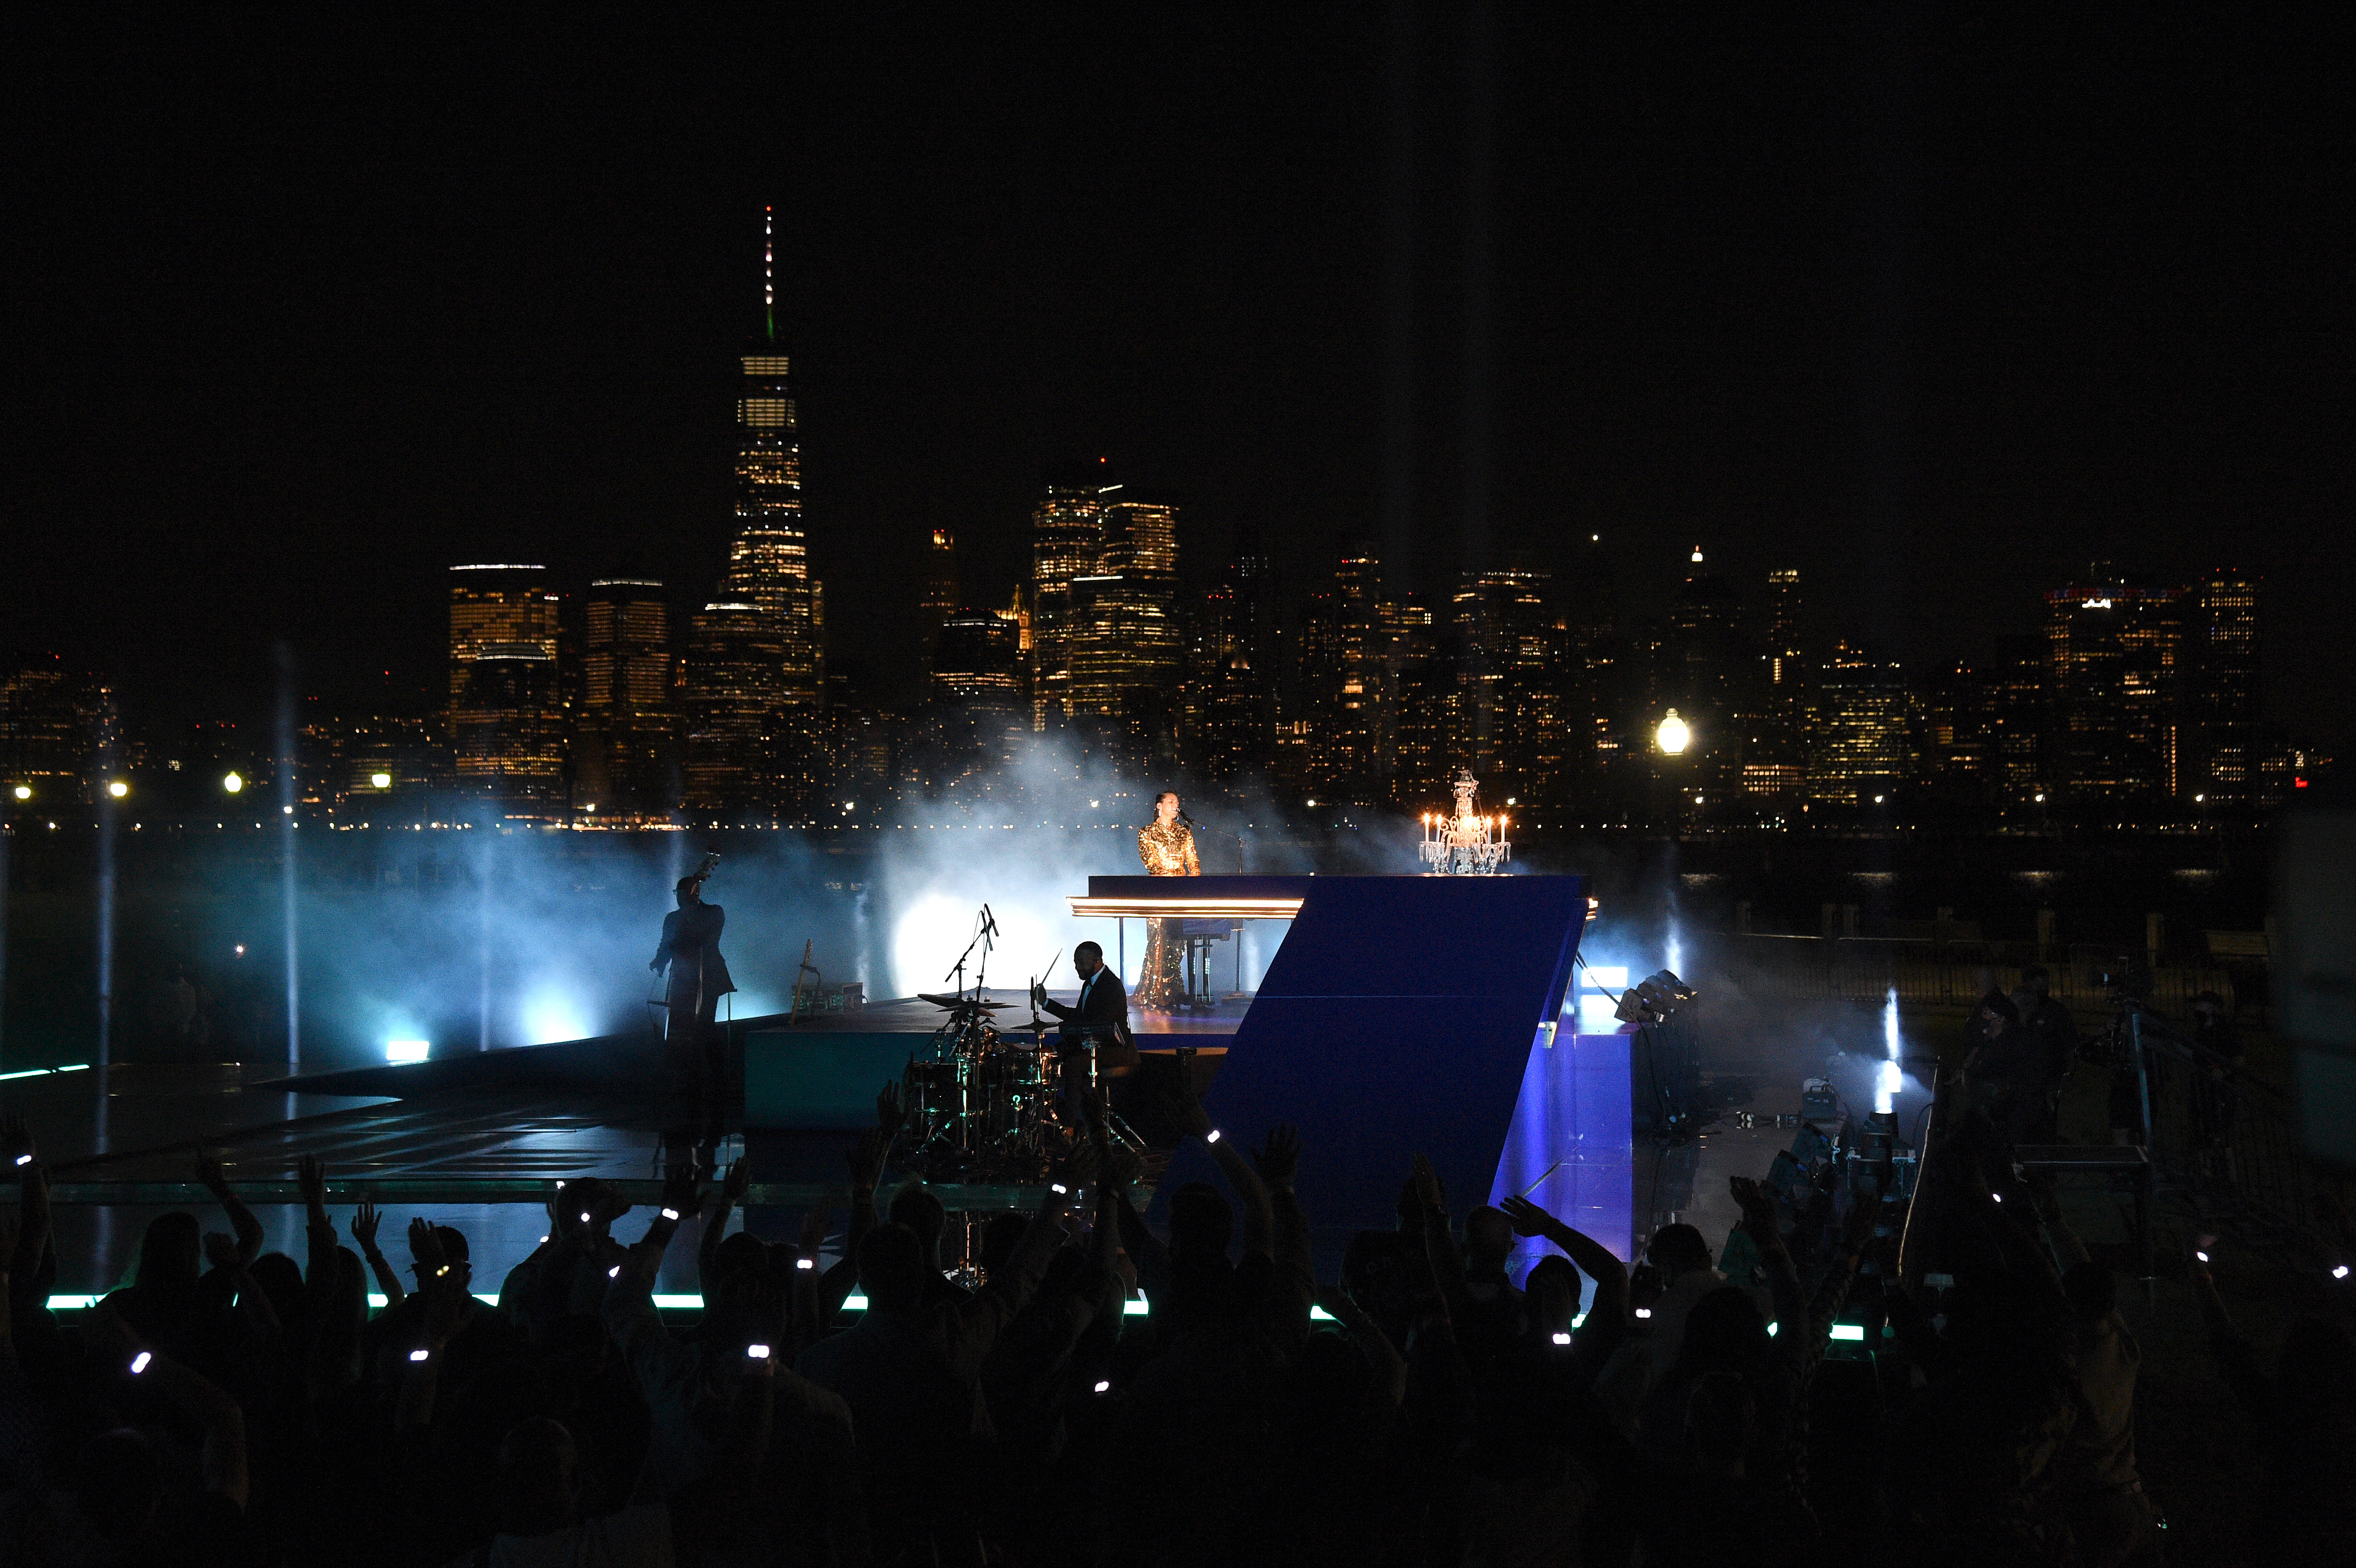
769 569
976 657
735 712
50 725
1856 735
624 764
1513 654
503 605
2222 686
1140 538
508 724
938 596
1125 650
1066 542
2114 681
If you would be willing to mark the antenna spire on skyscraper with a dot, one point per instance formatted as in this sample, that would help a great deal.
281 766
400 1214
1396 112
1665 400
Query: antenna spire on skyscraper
768 269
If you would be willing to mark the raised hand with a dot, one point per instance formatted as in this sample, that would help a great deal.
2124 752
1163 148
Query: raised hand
1428 1190
1757 1213
364 1223
815 1220
1122 1169
867 1159
680 1195
1078 1163
211 1173
425 1250
312 1177
733 1186
1279 1158
1527 1218
891 1115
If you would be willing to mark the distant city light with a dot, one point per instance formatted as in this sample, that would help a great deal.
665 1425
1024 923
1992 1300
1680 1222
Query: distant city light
118 789
406 1049
287 810
24 791
233 782
384 780
1672 735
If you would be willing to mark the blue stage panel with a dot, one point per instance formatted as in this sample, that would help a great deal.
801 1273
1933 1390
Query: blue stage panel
1571 1148
1398 1019
811 1081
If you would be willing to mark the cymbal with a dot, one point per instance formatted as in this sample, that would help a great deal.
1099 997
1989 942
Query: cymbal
940 1001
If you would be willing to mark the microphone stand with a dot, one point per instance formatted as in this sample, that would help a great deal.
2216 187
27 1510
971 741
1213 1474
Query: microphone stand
1194 826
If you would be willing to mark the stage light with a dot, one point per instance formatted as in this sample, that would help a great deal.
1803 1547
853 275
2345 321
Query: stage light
550 1017
118 789
407 1049
1672 735
233 782
384 780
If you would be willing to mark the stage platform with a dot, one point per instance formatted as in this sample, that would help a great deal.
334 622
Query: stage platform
1400 1016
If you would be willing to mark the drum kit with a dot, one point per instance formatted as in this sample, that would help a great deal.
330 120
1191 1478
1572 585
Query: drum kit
988 1104
984 1104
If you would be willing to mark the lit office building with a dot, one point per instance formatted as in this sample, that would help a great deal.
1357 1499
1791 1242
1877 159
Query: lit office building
2223 674
735 712
939 595
1513 652
505 605
507 730
507 704
2113 683
975 660
1066 542
1856 735
624 765
50 729
769 569
1140 537
1127 659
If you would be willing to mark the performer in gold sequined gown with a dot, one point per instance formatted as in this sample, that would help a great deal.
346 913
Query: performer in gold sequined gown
1167 846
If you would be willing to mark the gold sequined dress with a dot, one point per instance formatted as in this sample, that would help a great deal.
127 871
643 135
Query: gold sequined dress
1168 850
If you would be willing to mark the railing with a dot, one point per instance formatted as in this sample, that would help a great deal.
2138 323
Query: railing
2228 1140
1934 973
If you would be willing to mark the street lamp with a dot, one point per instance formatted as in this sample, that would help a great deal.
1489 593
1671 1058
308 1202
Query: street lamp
118 789
233 782
1673 736
24 791
379 781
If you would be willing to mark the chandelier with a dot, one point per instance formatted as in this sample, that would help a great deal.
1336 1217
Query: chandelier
1467 844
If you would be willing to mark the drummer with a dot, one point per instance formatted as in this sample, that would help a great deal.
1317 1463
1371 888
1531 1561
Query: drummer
1098 1019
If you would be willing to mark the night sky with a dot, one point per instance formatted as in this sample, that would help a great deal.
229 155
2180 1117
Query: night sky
1934 309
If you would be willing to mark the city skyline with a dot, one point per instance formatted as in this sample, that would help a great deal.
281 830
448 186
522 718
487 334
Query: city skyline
1766 313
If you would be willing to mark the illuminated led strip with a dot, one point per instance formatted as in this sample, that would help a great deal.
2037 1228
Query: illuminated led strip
43 1071
1189 909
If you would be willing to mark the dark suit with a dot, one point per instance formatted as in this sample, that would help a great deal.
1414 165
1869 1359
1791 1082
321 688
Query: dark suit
1099 1019
698 979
